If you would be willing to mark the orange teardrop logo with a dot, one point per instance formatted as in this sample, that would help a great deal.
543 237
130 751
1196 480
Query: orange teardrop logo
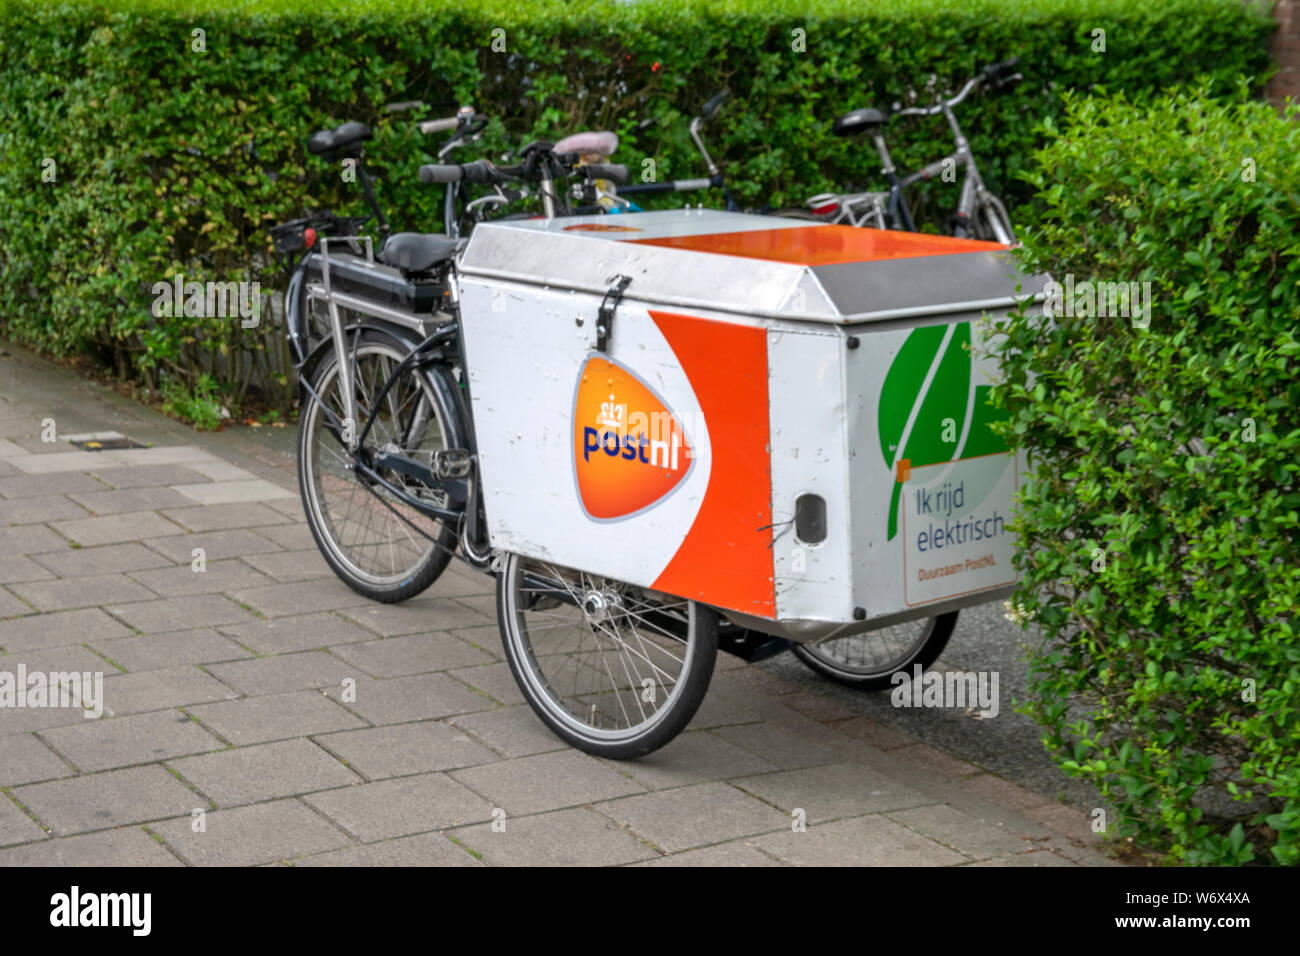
629 450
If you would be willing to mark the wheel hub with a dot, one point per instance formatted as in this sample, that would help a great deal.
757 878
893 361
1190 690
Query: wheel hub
600 605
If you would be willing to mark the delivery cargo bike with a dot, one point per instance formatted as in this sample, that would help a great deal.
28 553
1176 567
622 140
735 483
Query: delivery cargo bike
663 432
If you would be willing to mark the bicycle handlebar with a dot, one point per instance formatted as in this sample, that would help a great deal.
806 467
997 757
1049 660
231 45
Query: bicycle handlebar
479 171
996 76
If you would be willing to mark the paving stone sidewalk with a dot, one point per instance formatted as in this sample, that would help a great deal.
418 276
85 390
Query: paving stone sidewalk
223 705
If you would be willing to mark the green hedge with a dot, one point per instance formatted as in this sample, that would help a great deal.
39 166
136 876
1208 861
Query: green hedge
1161 526
172 161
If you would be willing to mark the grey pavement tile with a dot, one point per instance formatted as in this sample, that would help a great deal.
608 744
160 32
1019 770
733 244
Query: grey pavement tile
49 460
833 791
576 837
419 615
302 632
18 567
216 545
38 509
289 507
172 649
144 691
220 471
122 741
494 680
735 853
122 477
181 613
127 846
28 486
115 529
861 841
112 799
295 536
223 517
25 759
674 820
68 657
423 849
282 600
819 708
934 760
512 731
1003 792
549 781
400 700
264 772
223 576
233 492
972 837
159 455
694 757
778 746
402 749
723 707
412 654
16 826
286 672
108 559
126 500
455 582
245 836
400 807
881 736
64 594
288 567
31 539
751 680
255 720
21 720
52 630
11 606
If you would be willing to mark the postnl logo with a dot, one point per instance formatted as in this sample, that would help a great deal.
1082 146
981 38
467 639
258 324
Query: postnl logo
629 449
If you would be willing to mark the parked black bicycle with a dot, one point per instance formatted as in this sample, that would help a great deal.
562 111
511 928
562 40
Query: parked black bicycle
979 213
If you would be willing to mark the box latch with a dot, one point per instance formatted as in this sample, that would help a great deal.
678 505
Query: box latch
605 318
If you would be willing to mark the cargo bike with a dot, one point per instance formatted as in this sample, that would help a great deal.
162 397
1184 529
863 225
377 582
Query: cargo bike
664 433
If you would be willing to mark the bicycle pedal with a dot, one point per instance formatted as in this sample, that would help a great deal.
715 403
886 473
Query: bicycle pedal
451 462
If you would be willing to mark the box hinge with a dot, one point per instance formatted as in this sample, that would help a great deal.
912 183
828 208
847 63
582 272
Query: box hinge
605 318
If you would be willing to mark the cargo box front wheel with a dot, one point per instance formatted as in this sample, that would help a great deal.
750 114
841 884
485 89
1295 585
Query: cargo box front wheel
615 670
870 659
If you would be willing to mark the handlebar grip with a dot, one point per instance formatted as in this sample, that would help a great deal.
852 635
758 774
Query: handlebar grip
614 172
431 174
438 125
479 171
711 107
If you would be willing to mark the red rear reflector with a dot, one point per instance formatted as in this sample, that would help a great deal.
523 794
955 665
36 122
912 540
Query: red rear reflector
309 237
825 210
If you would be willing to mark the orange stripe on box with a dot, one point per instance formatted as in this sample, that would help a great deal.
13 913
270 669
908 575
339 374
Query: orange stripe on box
823 245
726 559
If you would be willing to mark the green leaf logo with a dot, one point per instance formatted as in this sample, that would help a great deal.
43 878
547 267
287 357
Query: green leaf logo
924 404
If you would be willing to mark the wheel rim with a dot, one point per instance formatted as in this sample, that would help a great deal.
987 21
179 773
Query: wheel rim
586 646
877 653
379 539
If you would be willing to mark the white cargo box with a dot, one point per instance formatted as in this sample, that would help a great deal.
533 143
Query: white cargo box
787 421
